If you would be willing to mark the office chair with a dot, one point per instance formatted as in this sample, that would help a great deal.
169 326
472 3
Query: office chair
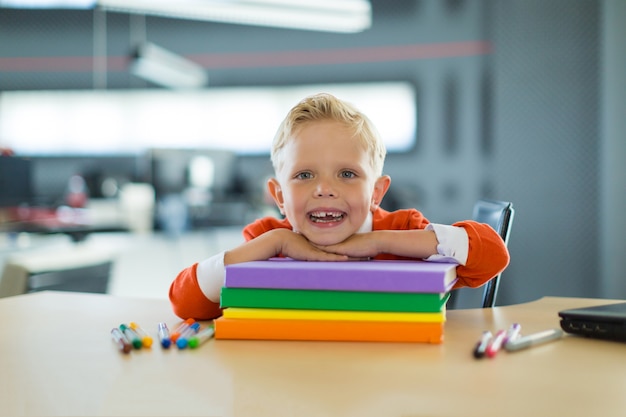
499 215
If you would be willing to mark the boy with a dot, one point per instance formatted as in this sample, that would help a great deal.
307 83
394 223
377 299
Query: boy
328 161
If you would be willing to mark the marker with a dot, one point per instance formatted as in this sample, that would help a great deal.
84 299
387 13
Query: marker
481 346
181 328
164 335
534 339
495 344
146 340
121 340
201 337
512 334
131 335
183 339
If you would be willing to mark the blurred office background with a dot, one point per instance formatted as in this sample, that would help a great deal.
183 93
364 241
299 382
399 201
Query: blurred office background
517 100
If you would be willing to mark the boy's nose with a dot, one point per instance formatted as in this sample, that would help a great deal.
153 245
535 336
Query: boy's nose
325 189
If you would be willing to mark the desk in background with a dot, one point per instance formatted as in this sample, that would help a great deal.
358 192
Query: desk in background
77 267
57 358
74 222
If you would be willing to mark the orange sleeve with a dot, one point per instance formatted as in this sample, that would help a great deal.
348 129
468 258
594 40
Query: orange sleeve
187 298
487 255
265 224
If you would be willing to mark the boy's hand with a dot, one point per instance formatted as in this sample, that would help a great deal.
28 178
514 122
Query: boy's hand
357 246
276 242
418 244
296 246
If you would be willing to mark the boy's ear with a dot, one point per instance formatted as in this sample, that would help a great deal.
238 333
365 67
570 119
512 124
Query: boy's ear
273 187
380 189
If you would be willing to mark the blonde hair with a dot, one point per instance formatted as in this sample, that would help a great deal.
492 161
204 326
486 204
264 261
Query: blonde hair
325 106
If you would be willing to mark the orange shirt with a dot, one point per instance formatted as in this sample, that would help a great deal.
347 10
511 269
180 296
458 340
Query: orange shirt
487 257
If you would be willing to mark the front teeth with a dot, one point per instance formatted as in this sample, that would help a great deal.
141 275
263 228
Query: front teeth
324 214
326 217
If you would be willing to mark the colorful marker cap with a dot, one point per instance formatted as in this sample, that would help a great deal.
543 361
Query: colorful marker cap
182 343
193 343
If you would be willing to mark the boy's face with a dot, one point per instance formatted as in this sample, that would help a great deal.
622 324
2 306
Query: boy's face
326 186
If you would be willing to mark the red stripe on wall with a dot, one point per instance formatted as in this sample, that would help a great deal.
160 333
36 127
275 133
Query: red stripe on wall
264 59
60 64
343 56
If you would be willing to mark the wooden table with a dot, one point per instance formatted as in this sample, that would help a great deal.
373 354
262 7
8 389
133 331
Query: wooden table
57 358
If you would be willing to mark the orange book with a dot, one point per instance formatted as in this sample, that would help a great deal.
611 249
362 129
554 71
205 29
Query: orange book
329 330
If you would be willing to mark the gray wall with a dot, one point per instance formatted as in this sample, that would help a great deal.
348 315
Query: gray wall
535 121
612 152
546 120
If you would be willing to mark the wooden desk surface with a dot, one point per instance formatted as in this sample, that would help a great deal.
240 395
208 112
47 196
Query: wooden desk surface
57 358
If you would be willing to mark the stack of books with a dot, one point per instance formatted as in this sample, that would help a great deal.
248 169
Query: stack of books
385 301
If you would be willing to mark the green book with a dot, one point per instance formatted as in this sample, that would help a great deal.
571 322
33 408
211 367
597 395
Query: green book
332 300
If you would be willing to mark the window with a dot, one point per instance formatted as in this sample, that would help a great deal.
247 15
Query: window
242 120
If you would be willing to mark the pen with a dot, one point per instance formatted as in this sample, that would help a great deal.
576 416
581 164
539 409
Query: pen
201 337
495 344
164 335
534 339
512 334
121 340
181 328
481 346
183 339
146 340
131 335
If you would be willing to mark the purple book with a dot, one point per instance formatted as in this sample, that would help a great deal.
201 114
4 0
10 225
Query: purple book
370 276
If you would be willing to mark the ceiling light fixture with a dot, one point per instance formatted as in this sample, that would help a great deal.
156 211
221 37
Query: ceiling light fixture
162 67
347 16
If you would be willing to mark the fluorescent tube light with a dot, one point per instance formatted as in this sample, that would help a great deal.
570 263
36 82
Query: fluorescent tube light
167 69
323 15
48 4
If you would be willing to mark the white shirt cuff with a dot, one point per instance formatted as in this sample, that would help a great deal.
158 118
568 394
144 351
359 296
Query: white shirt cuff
453 244
210 275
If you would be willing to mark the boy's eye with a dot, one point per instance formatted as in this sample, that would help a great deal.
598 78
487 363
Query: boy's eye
347 174
304 175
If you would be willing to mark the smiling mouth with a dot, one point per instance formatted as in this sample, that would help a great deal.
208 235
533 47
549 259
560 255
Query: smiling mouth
326 216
